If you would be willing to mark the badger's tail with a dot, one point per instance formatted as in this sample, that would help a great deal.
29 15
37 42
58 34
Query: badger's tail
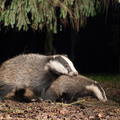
4 90
98 91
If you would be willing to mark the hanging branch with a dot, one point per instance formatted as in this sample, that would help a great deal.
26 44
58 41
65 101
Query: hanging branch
37 14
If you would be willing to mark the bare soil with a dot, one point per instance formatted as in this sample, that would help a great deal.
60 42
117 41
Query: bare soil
87 108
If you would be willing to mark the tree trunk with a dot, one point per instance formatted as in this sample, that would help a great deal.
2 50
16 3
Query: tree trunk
74 37
49 48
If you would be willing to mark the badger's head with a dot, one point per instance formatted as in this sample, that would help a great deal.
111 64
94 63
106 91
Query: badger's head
97 90
60 64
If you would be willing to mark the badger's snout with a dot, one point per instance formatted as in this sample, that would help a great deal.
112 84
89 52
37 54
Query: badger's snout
104 100
73 73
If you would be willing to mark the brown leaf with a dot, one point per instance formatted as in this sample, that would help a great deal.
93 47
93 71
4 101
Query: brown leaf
63 111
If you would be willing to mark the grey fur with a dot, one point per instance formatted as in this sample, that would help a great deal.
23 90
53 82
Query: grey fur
26 71
68 88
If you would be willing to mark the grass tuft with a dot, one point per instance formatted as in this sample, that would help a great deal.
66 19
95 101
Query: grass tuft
104 77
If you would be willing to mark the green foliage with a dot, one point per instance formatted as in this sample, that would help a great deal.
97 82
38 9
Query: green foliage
104 77
38 14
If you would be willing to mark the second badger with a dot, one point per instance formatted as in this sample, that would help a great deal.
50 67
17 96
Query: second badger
33 71
67 89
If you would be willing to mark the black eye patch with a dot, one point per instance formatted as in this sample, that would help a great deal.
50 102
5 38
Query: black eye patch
63 62
101 90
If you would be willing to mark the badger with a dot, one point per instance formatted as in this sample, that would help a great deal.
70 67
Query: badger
68 89
33 71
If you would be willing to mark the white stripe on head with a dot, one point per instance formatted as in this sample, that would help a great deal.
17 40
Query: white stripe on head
74 71
56 67
97 92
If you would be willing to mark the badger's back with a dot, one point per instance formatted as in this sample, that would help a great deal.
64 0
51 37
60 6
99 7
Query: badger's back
70 84
24 70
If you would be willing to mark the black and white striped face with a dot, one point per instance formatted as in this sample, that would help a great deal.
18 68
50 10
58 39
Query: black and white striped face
61 65
98 91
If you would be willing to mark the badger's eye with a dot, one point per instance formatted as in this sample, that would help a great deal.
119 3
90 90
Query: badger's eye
66 65
68 68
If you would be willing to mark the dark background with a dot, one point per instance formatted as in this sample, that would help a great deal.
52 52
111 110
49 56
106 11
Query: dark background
96 46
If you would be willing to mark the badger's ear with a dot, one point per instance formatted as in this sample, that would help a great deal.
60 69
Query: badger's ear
65 55
50 58
53 57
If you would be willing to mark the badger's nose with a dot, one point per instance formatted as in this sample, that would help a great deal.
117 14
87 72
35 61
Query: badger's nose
73 73
103 100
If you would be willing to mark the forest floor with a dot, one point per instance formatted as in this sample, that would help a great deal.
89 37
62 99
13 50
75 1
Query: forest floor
87 108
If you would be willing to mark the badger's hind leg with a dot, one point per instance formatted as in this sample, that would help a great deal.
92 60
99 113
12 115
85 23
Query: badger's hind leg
4 90
39 93
20 93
